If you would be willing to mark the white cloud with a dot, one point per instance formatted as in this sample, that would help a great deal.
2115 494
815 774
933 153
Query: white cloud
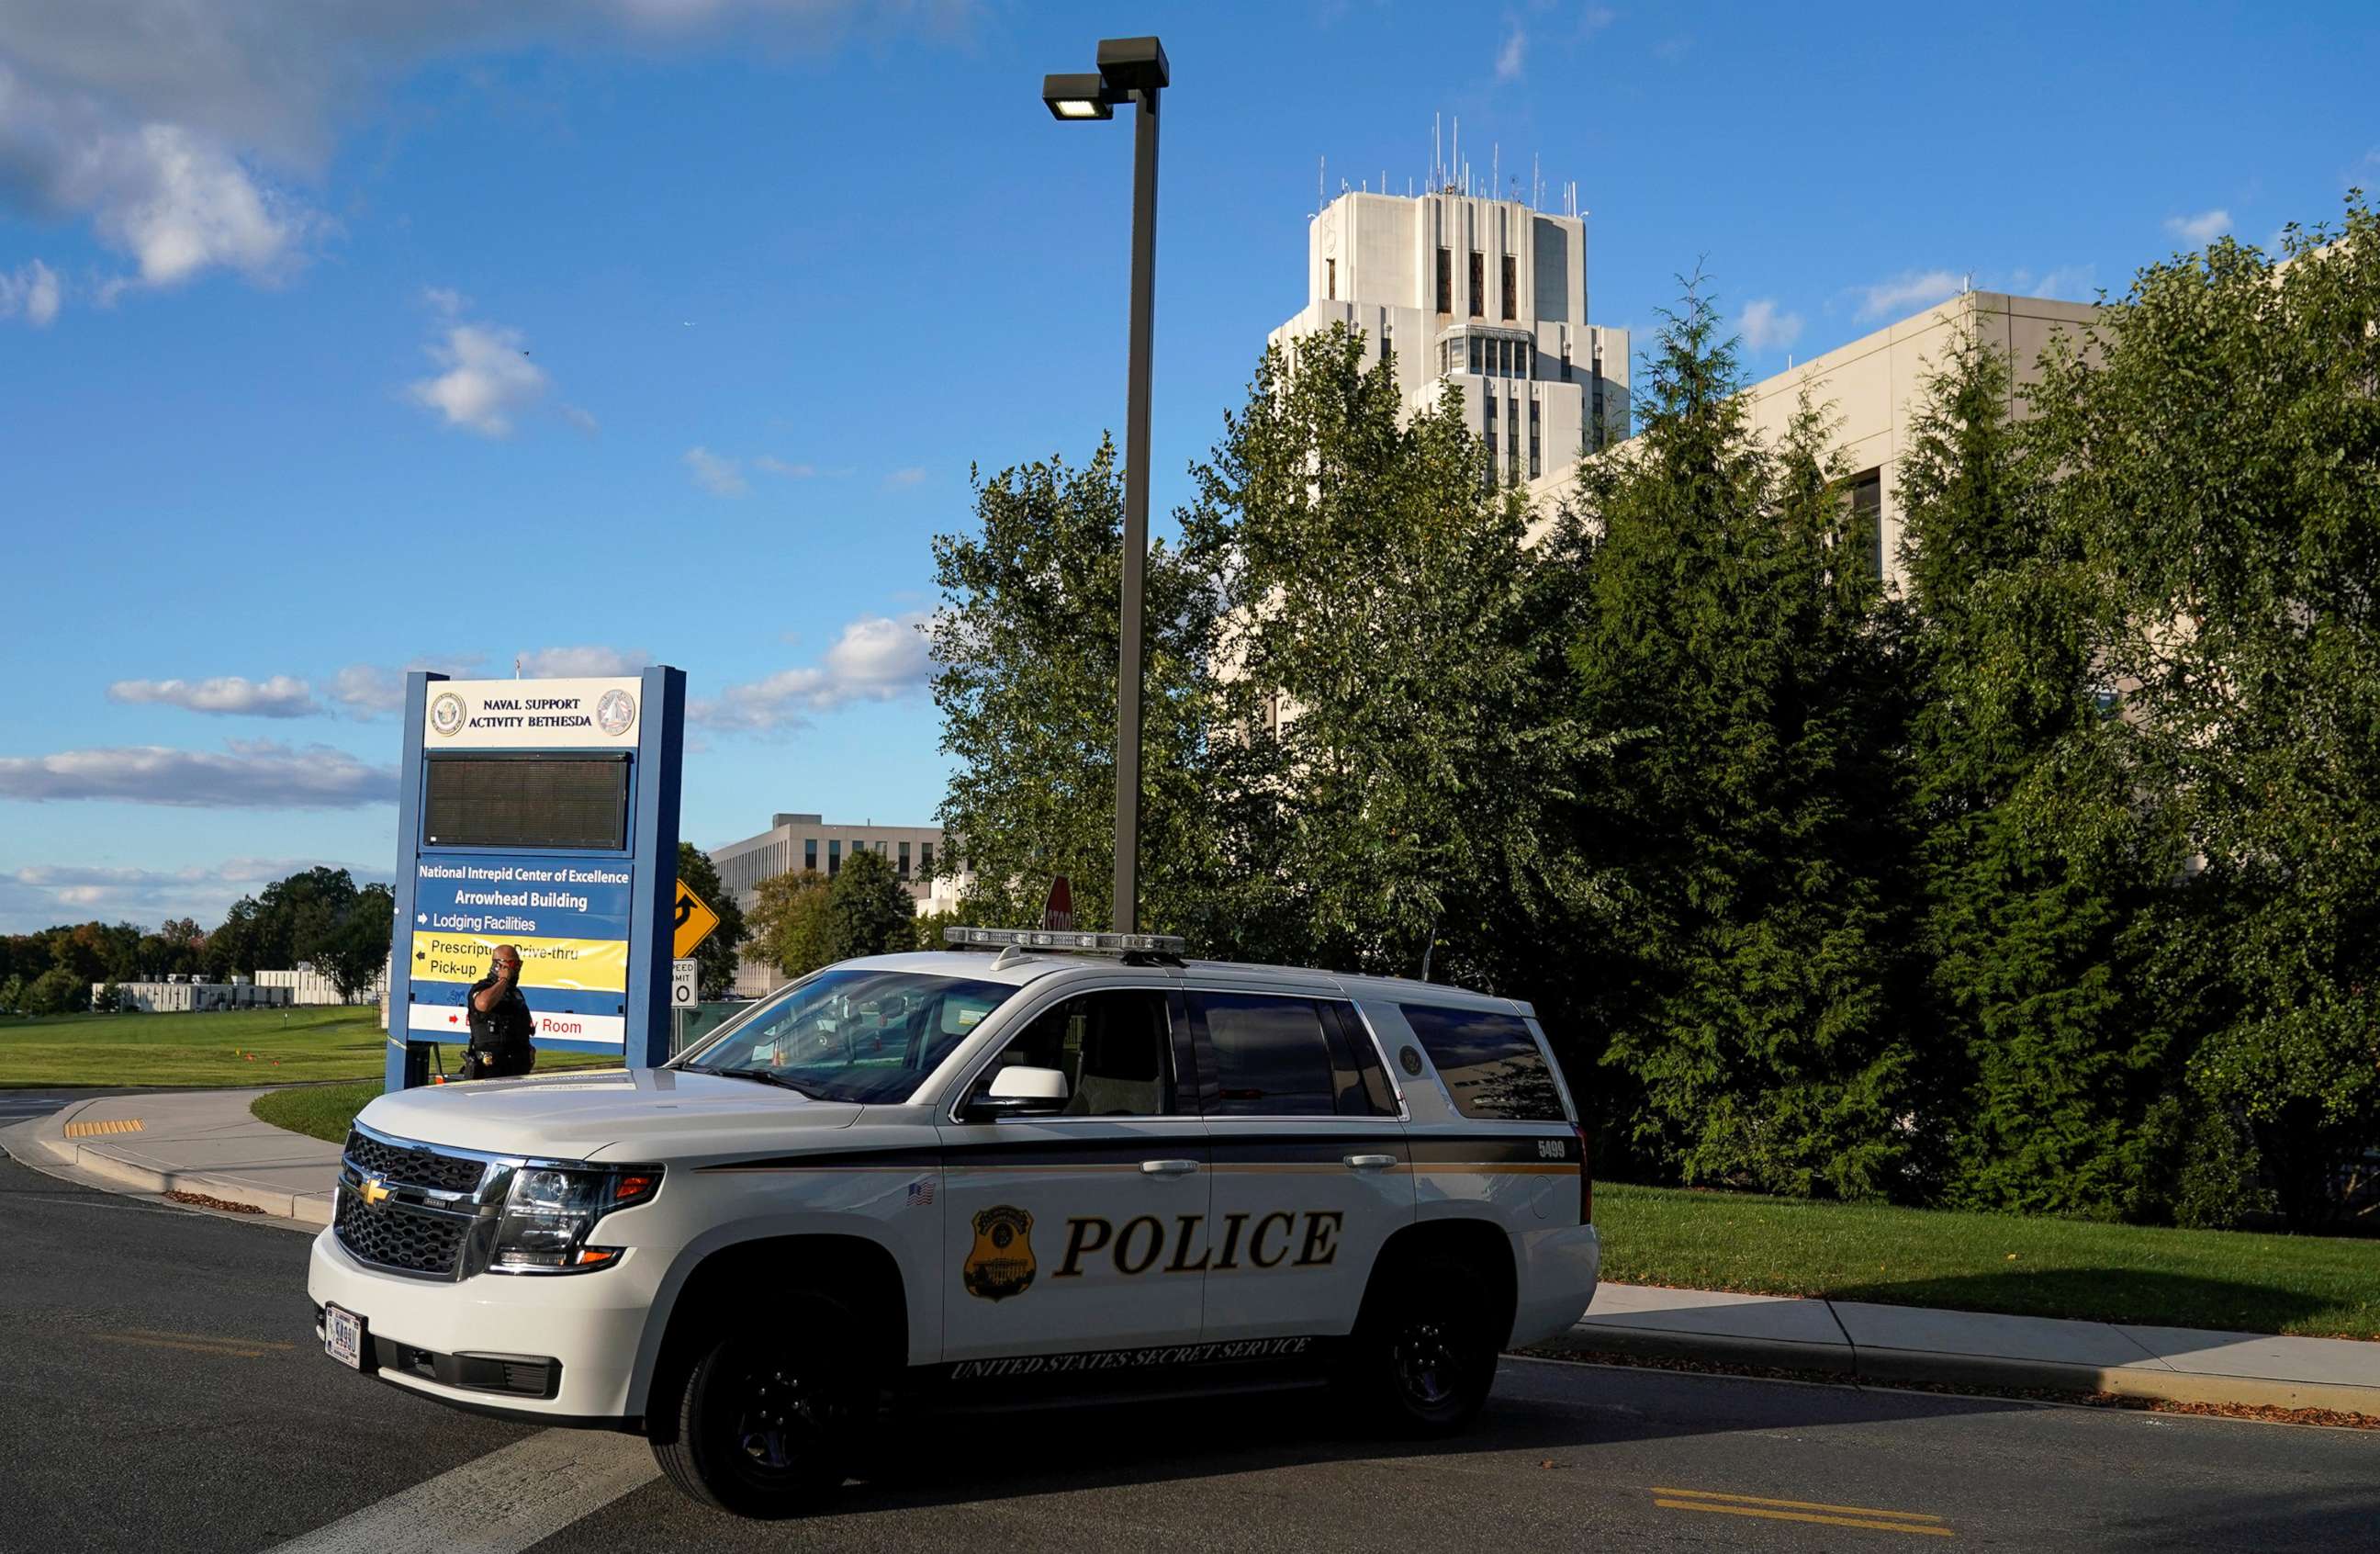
177 201
769 465
878 658
583 663
247 775
369 689
909 477
488 378
2204 227
31 291
1906 292
175 127
2073 283
282 696
581 418
716 473
42 895
1511 58
1767 328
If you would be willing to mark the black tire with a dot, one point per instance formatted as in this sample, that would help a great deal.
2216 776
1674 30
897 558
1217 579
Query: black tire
1422 1356
768 1427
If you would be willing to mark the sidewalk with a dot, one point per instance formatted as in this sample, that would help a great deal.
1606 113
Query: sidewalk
206 1142
194 1141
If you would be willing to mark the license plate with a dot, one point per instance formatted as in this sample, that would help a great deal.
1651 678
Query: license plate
343 1336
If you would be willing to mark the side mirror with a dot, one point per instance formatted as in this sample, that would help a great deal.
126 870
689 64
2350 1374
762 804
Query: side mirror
1017 1092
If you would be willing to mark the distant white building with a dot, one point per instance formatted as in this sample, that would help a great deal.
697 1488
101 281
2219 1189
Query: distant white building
181 995
1489 296
308 987
809 843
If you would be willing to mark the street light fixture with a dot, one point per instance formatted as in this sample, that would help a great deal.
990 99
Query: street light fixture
1131 70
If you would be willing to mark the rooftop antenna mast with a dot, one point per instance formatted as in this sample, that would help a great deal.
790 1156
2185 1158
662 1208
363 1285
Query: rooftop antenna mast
1319 163
1457 154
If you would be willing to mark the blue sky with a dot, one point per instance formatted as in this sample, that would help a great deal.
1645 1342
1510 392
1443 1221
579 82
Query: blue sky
342 338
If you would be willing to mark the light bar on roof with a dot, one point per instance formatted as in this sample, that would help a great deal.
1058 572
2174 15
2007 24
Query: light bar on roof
1067 940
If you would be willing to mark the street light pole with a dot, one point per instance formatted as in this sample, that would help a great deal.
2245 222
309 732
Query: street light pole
1131 70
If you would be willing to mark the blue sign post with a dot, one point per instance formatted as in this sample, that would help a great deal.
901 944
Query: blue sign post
541 814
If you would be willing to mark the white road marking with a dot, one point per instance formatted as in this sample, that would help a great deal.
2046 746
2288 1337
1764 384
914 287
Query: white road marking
500 1504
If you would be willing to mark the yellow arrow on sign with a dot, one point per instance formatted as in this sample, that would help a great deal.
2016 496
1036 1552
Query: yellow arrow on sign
694 921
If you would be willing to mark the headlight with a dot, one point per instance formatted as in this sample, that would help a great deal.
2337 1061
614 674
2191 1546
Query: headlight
551 1212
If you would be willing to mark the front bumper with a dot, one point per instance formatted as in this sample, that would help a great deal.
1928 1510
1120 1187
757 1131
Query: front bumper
589 1326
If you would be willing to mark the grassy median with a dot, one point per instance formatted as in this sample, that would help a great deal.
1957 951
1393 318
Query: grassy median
228 1047
2320 1286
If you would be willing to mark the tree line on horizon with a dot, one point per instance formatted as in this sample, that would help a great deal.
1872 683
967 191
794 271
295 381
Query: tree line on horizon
318 916
2047 880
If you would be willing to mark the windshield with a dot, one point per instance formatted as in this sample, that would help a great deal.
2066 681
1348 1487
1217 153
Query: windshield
858 1036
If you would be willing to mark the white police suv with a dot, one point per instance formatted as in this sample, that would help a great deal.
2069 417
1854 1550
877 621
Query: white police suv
1017 1170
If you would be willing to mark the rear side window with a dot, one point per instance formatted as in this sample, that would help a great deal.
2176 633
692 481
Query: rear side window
1271 1056
1491 1064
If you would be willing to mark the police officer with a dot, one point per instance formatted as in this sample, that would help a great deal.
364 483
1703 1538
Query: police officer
501 1026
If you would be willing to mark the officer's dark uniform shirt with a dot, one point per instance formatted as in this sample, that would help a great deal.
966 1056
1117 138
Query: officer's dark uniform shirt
507 1027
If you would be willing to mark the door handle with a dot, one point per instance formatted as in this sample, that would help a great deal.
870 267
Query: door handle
1371 1162
1167 1168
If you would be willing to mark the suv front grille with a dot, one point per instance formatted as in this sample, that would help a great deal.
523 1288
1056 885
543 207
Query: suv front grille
395 1235
414 1168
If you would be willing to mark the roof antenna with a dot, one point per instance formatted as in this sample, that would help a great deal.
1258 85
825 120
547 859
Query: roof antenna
1318 164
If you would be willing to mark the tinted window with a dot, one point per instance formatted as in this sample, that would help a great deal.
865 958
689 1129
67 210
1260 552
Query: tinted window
1491 1064
1115 1049
1271 1057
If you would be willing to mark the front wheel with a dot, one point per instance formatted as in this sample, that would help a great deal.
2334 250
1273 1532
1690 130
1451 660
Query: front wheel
767 1426
1422 1361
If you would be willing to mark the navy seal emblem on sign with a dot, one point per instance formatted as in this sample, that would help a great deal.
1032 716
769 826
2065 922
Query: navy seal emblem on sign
615 712
446 714
1000 1263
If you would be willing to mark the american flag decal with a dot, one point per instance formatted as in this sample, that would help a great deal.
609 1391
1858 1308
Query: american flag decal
921 1194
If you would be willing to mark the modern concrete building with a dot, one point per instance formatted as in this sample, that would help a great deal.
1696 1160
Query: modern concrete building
1875 385
1487 294
809 844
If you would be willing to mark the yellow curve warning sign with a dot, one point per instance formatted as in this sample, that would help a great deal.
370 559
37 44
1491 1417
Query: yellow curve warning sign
694 921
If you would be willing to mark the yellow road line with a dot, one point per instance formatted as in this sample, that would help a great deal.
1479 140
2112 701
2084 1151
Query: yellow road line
176 1343
87 1130
1803 1510
1795 1505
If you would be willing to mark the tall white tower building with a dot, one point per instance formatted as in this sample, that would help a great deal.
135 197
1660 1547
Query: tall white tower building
1490 295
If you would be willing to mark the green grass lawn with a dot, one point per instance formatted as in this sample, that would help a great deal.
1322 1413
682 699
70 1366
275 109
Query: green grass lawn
229 1046
325 1111
2031 1267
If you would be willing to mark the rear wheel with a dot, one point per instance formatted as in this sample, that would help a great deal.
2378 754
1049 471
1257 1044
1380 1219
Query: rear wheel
769 1426
1424 1356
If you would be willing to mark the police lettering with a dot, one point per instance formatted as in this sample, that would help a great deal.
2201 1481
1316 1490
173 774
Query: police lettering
1138 1248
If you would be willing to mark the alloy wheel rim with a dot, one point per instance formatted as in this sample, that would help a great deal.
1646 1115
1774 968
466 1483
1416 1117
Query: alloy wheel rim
1427 1368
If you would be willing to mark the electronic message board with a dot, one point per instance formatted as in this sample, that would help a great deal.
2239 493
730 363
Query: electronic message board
541 814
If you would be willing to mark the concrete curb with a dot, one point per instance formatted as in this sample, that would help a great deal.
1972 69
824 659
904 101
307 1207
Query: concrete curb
1891 1365
44 1139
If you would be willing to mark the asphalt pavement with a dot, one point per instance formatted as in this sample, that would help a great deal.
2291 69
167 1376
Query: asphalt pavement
165 1393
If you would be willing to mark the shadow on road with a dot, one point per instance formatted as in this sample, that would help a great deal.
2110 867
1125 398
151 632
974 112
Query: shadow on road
935 1460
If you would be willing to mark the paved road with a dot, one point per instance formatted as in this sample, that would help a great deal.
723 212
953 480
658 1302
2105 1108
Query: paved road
163 1393
23 1106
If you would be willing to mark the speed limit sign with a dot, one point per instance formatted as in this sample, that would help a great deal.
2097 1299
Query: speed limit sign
683 977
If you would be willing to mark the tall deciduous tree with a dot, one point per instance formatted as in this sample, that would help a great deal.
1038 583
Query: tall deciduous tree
1377 586
788 922
1025 645
869 911
718 953
1733 631
2220 451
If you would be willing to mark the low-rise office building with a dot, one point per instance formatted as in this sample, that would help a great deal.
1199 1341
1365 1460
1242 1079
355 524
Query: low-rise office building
809 844
182 995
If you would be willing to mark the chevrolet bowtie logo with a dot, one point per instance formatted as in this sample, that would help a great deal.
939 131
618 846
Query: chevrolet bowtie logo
376 1192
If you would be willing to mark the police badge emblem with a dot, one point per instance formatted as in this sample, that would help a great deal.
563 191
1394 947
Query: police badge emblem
1000 1264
